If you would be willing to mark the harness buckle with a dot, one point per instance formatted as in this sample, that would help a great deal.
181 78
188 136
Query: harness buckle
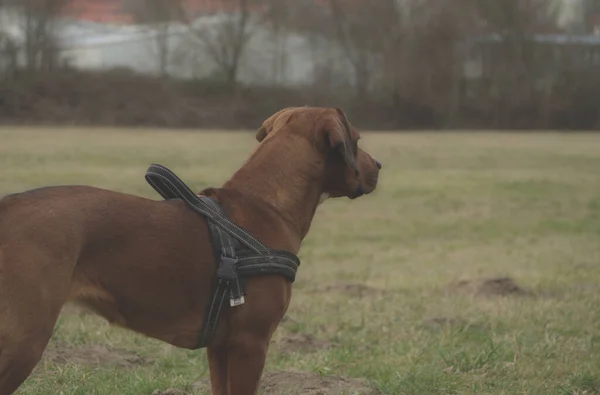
227 269
228 272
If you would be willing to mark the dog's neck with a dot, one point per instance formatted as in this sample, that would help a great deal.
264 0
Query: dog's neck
288 184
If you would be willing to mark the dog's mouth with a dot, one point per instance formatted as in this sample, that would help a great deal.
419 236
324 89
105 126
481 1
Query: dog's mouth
358 193
364 189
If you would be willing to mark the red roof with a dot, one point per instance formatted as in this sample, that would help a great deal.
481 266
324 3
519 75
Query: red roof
104 11
112 11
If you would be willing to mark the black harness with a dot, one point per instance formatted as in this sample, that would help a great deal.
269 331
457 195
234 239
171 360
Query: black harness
239 254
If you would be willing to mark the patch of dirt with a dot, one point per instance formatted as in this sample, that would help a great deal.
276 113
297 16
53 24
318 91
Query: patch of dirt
303 343
488 287
170 391
356 290
92 355
306 383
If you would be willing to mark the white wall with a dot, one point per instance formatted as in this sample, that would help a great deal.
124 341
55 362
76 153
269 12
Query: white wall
570 13
265 60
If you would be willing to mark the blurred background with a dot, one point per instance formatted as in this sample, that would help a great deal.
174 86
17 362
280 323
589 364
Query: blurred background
392 64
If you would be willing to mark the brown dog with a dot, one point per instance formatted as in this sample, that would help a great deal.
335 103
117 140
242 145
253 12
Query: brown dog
148 265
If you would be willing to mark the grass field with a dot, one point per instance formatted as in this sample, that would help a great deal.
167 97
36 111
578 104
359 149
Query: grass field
474 268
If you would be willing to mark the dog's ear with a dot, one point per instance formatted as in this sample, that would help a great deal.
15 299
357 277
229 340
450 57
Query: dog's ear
339 136
261 133
275 121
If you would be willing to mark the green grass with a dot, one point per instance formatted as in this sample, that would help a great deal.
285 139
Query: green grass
449 207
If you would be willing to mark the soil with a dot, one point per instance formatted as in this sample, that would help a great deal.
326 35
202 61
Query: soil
292 382
302 343
169 391
309 383
490 287
92 355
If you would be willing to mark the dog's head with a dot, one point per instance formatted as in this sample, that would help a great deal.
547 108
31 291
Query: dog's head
347 170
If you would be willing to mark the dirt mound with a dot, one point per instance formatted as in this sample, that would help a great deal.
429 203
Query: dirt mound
92 355
308 383
356 290
170 391
303 383
303 343
488 287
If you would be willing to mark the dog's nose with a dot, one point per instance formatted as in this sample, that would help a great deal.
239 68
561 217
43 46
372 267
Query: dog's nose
378 164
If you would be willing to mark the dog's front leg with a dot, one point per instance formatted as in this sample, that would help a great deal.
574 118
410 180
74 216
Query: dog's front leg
246 357
217 360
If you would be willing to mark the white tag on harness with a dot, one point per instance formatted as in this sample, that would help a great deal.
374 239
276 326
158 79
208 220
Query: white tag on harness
237 301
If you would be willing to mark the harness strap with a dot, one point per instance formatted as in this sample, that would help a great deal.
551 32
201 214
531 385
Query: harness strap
169 186
235 262
227 270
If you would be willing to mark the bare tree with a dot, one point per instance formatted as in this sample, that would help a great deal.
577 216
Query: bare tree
224 36
159 16
285 17
354 29
384 36
426 54
515 66
278 19
8 55
312 22
38 20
